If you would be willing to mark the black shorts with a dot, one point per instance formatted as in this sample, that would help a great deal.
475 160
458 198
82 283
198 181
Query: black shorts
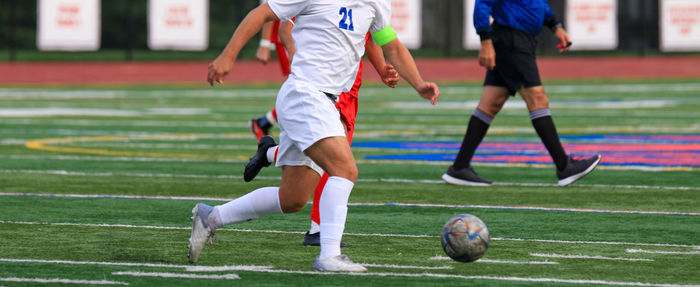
515 60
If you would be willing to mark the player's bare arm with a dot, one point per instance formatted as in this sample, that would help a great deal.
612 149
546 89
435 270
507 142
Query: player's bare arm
564 40
487 54
219 68
263 52
286 38
397 54
386 71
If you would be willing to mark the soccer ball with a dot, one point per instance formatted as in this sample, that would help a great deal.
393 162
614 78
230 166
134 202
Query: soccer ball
465 238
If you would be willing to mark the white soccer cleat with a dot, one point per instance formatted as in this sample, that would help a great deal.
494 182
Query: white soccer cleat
338 263
202 233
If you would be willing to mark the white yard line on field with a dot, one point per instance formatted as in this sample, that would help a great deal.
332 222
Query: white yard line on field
401 180
538 208
128 264
597 257
663 252
61 280
448 276
61 94
345 234
483 260
176 275
407 266
116 158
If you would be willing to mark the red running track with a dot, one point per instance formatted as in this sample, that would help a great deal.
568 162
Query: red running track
441 70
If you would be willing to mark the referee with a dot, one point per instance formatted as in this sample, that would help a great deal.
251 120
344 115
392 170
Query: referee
508 53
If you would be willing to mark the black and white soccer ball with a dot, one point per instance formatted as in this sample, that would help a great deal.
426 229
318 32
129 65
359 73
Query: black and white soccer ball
465 238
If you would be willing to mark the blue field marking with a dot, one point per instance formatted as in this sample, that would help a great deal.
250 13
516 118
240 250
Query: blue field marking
617 150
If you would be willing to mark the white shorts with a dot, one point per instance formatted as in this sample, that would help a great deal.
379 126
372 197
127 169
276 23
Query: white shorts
305 116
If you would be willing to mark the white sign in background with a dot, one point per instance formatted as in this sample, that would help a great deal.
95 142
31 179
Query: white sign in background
178 25
680 25
406 21
471 39
592 24
68 25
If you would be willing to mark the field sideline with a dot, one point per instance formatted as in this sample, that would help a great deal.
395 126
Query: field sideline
97 183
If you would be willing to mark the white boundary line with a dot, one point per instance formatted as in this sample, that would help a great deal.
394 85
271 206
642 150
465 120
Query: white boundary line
483 260
398 180
663 252
407 266
458 89
153 265
568 256
176 275
518 262
539 208
61 280
350 234
451 276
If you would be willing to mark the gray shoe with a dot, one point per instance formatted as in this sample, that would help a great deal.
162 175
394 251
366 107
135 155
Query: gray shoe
202 232
576 169
465 176
338 263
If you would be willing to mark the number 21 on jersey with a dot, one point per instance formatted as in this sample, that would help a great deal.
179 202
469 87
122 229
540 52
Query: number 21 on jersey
346 22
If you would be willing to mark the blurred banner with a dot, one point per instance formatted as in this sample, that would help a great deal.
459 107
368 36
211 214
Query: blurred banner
68 25
178 25
471 38
406 20
680 25
592 24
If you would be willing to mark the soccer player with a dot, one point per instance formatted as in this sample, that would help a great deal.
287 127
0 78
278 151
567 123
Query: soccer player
261 126
508 53
329 37
347 105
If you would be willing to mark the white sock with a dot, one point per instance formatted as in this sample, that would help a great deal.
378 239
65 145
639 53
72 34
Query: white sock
270 118
259 202
271 153
333 209
315 228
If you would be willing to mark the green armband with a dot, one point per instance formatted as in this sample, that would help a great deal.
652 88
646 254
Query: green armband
384 36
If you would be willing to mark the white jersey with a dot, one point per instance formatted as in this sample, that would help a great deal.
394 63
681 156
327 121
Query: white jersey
329 36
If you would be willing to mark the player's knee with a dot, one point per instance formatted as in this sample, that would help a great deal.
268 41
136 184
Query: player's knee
491 109
292 205
538 101
348 171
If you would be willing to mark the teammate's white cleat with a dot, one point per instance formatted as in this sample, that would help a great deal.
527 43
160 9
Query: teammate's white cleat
338 263
202 233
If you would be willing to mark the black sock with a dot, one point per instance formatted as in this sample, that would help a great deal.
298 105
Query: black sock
544 125
476 130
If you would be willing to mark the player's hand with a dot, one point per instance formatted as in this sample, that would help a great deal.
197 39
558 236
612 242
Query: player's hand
429 91
564 40
390 76
218 69
263 55
487 55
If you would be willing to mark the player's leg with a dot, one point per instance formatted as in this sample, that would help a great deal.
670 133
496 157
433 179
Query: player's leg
261 126
290 197
461 172
334 156
568 169
347 106
312 122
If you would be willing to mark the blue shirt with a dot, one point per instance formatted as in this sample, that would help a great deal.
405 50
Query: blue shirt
525 15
